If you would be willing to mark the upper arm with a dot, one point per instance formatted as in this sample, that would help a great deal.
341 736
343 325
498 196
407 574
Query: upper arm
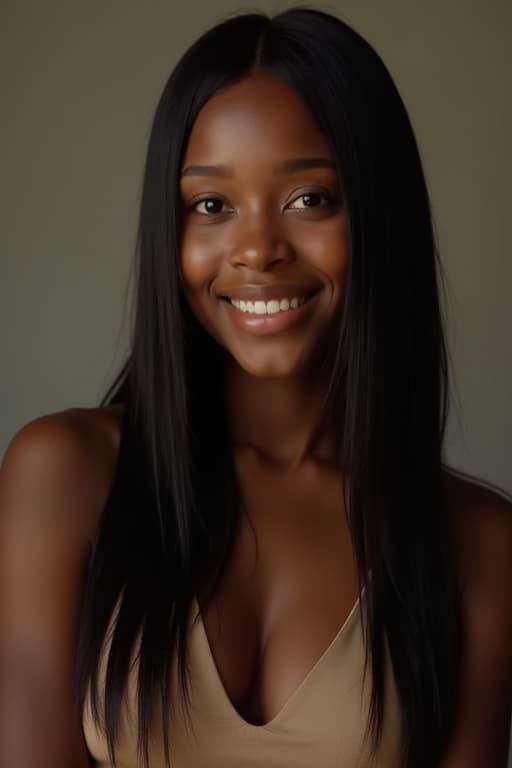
482 722
49 497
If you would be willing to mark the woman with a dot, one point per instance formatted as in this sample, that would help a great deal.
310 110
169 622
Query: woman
252 554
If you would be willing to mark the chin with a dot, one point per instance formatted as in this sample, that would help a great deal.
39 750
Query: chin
274 367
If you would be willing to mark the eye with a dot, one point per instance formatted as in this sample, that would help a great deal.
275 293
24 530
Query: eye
309 200
208 206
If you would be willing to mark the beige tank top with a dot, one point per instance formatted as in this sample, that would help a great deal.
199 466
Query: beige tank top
321 725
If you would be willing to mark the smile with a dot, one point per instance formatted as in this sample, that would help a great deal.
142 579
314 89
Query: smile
269 317
272 307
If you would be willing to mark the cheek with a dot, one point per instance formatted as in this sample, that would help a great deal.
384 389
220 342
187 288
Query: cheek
327 249
198 263
199 267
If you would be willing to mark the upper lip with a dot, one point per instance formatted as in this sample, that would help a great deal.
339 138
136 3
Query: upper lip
262 292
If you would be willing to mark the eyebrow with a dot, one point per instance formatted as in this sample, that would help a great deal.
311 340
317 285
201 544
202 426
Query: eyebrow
220 171
288 166
304 164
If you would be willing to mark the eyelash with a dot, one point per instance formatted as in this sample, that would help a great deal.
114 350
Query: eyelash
328 200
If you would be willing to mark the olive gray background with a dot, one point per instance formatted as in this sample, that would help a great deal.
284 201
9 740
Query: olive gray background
80 82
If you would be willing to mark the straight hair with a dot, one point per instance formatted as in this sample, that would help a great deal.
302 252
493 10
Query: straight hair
168 529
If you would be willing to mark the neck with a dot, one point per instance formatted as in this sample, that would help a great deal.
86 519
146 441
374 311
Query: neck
281 419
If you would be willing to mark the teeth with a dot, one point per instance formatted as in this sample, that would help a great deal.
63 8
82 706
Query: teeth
268 307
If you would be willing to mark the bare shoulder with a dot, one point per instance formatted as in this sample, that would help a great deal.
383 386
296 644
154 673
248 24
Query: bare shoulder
54 481
482 534
481 520
65 456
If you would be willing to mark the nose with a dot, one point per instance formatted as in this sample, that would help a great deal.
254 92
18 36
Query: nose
259 245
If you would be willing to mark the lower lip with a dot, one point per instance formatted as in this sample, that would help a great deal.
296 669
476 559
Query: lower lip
263 324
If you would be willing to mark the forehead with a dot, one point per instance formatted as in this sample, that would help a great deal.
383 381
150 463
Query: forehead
260 115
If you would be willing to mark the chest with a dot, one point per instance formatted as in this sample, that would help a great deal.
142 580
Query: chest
288 588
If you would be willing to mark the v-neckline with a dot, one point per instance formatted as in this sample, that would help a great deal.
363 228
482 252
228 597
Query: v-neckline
274 722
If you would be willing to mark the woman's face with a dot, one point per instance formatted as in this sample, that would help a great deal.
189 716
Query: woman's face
264 250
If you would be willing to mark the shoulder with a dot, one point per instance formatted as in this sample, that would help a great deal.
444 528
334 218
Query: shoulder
481 521
481 526
54 481
65 459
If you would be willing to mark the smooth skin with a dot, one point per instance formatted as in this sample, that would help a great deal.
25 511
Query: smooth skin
266 219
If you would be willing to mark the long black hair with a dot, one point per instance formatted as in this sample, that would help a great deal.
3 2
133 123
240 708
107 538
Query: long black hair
171 531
